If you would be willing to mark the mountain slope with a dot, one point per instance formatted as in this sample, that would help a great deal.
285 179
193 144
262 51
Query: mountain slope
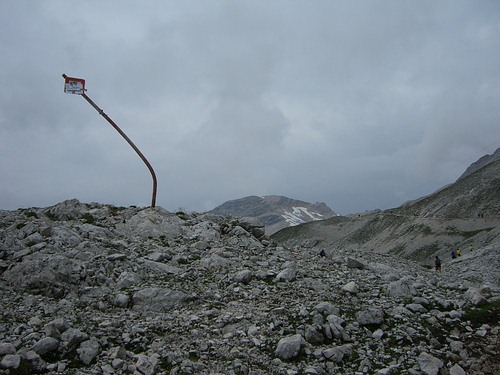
482 162
276 212
465 214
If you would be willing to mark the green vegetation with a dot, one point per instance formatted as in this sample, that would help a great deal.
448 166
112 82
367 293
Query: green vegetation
88 218
488 313
30 214
182 215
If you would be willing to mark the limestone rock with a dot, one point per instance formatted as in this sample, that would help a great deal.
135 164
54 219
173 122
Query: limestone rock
351 287
401 288
371 315
355 263
289 347
45 345
88 351
429 364
157 299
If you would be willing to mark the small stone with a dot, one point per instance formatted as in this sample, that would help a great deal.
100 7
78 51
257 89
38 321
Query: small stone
377 335
351 287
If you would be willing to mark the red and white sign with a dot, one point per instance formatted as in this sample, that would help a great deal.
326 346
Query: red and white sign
74 85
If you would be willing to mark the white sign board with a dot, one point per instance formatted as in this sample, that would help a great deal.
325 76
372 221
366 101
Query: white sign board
74 85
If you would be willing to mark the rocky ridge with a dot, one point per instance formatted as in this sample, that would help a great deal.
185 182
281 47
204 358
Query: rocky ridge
97 289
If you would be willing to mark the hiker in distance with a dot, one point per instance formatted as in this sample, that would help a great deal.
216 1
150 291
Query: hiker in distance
437 264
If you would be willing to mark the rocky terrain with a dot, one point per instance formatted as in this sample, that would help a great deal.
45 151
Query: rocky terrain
275 211
98 289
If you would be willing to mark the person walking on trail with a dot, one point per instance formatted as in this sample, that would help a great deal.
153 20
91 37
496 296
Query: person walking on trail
437 264
453 254
459 252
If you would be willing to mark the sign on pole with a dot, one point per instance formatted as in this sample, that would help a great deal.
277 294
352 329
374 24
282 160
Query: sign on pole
74 85
77 86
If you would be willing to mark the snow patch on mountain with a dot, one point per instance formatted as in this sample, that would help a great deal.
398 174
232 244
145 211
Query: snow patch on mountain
296 216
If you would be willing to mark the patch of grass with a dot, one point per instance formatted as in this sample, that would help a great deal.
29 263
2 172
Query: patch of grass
182 215
30 214
489 313
88 218
472 233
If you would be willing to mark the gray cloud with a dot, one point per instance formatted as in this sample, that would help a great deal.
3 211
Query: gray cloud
362 104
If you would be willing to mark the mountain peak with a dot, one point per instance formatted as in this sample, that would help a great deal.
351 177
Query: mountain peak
275 211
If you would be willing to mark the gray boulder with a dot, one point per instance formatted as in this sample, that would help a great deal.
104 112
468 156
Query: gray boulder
429 364
243 276
289 347
314 335
337 353
327 308
402 288
155 222
157 299
88 351
7 348
288 274
252 225
354 263
11 362
371 315
73 337
474 296
351 287
45 345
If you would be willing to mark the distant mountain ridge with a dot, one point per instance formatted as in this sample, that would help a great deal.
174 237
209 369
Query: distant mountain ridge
482 162
275 211
464 214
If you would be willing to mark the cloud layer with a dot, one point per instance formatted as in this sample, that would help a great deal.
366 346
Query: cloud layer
361 105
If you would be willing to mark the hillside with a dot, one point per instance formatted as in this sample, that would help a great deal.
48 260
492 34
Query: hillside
98 289
276 212
464 215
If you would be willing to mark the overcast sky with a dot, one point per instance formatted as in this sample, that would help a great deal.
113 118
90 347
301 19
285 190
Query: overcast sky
358 104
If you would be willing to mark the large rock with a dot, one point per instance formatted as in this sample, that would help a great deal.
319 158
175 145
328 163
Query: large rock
371 315
429 364
474 296
289 347
253 225
355 263
337 353
50 275
11 362
68 210
45 345
88 351
157 299
402 288
154 223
